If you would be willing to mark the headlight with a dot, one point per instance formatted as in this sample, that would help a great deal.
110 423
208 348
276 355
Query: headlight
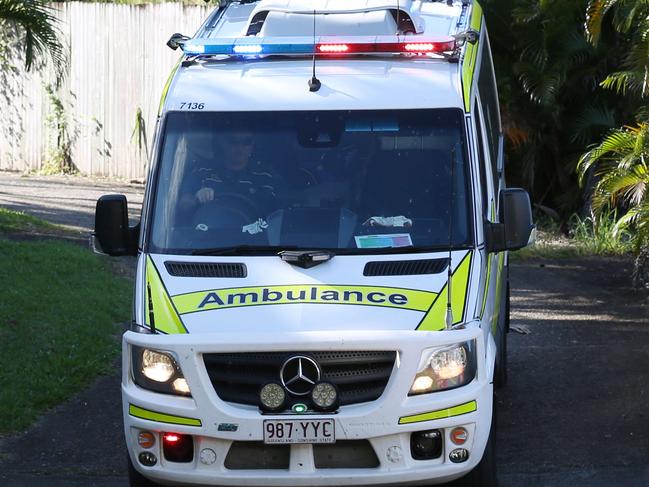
445 368
158 371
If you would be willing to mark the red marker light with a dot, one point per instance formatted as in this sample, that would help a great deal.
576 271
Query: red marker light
429 46
171 438
333 48
420 47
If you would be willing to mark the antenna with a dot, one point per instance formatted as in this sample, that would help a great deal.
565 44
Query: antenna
398 12
314 83
449 300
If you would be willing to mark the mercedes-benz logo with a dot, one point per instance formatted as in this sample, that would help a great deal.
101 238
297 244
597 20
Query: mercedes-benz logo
299 374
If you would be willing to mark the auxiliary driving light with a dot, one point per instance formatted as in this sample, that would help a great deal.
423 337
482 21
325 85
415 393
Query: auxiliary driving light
426 445
325 396
459 455
272 397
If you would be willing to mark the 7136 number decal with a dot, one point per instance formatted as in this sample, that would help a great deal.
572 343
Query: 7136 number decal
190 105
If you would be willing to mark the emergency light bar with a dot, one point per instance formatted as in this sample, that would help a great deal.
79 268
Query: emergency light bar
301 46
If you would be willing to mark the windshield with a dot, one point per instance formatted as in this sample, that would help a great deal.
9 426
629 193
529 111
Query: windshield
347 181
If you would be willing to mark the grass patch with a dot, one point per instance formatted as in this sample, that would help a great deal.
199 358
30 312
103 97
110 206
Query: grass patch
15 221
585 237
59 318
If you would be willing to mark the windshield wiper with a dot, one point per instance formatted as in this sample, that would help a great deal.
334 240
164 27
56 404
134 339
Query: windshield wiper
244 250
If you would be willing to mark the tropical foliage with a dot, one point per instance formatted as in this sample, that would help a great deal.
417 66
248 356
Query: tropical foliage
548 78
619 163
630 19
34 23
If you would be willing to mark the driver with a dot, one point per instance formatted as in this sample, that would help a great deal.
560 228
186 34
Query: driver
234 178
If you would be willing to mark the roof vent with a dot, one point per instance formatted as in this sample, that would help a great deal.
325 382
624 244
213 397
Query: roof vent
405 267
273 18
206 269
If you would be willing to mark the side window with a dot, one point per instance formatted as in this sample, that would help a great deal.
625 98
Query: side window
481 161
489 97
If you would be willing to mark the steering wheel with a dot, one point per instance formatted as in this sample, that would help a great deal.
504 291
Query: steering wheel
237 201
227 210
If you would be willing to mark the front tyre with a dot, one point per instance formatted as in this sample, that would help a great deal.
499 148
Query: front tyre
500 375
135 478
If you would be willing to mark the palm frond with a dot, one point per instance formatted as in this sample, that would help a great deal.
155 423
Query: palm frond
622 82
595 13
35 18
594 118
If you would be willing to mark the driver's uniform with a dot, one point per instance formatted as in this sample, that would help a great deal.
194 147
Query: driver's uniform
256 187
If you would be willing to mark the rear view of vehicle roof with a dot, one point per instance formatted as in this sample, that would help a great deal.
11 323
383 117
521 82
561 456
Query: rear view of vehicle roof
439 18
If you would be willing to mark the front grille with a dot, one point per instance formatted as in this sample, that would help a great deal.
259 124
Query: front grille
361 376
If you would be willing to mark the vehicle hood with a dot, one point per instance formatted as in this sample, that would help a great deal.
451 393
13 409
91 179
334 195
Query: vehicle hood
272 295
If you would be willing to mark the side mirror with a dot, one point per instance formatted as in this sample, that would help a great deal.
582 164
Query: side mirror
516 225
176 41
111 226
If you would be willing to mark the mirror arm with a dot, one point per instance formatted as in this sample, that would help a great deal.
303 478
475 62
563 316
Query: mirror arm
134 234
495 237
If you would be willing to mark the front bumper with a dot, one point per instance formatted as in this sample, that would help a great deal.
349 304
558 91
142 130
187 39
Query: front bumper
205 414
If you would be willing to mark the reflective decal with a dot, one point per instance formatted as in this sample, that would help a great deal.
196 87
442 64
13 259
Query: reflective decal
161 314
465 408
435 318
410 299
471 56
138 412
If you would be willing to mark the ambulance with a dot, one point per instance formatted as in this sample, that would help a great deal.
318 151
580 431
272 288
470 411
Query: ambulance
322 289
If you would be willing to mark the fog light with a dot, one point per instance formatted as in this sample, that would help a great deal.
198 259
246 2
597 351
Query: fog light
272 397
147 459
325 396
459 455
426 445
145 439
459 436
177 447
207 456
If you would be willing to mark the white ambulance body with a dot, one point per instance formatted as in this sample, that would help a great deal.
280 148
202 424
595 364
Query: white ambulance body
322 287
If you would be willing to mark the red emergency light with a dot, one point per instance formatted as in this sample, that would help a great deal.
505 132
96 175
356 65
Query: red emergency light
427 47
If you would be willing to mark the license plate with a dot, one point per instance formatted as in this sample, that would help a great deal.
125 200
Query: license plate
299 431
